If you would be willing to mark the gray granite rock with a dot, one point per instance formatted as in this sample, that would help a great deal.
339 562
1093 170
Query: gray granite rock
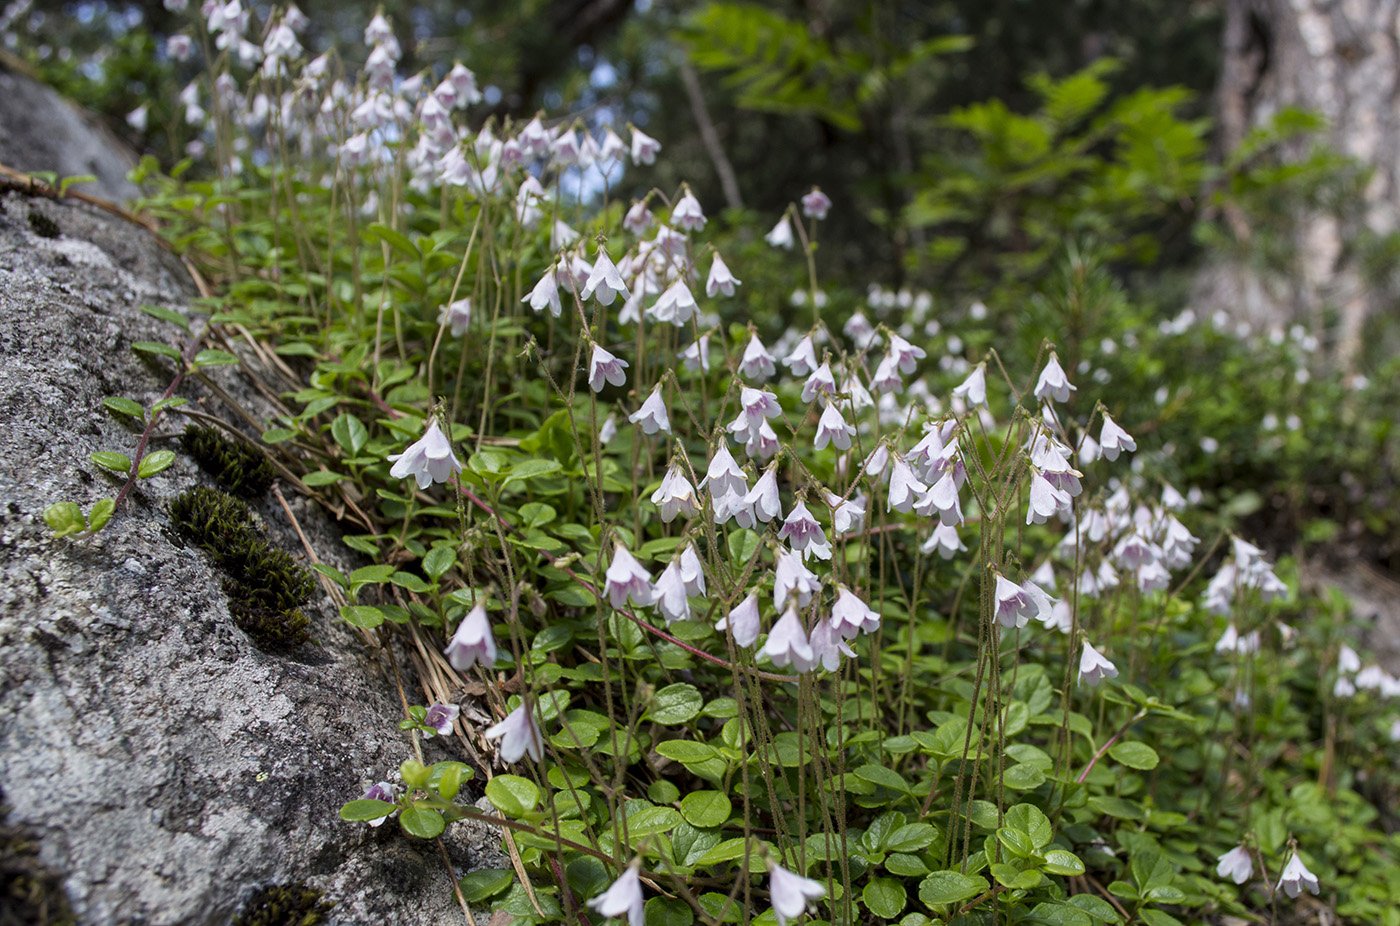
40 130
168 766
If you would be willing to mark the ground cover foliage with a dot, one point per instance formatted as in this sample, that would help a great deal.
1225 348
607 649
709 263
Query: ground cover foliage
780 576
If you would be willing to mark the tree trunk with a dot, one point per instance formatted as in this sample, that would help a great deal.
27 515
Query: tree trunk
1341 59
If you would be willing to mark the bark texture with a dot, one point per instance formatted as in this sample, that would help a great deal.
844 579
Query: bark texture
1340 58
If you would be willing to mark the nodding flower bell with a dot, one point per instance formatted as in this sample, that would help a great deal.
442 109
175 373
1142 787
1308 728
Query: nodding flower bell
1094 666
816 204
757 362
787 643
724 475
604 367
623 898
545 294
652 415
429 459
473 642
1296 877
1235 865
604 281
974 388
790 893
519 734
793 581
721 280
457 314
676 496
742 621
781 235
833 429
1113 439
671 598
803 358
697 355
1053 384
851 616
820 383
804 534
644 147
626 579
688 214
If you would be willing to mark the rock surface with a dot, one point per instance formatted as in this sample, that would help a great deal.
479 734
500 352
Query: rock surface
40 130
167 766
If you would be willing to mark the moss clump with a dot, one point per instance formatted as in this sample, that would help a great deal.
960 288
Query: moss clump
43 226
266 587
31 893
242 470
283 905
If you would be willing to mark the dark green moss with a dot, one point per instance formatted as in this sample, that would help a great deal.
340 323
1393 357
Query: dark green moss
43 226
31 893
241 469
283 905
266 587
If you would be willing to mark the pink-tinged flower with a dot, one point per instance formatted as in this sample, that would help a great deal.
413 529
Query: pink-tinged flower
793 580
607 430
905 488
828 647
847 517
763 499
676 305
612 148
564 149
671 598
1094 666
604 282
688 214
721 280
787 643
1053 383
758 404
851 616
905 354
945 540
1015 605
1045 500
692 572
1296 877
519 734
942 497
381 791
1134 551
626 579
644 147
1235 865
638 219
820 383
743 621
623 898
180 47
676 496
815 204
790 893
441 716
652 415
724 475
781 235
833 429
858 329
887 378
429 459
804 534
729 504
803 359
1113 439
463 84
378 31
763 443
1153 577
603 368
535 137
697 355
757 362
138 118
473 642
974 389
1178 544
1049 458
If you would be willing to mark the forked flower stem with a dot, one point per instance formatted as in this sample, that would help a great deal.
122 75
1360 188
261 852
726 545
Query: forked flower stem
1105 747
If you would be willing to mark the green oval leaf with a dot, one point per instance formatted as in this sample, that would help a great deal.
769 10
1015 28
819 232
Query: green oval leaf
116 462
1135 755
944 887
485 884
155 347
1061 862
705 809
321 477
885 897
155 462
438 560
360 811
512 795
101 513
362 616
421 822
124 406
676 703
168 315
217 358
278 435
65 518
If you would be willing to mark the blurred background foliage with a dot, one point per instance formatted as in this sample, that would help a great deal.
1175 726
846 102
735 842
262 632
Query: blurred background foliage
1051 161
